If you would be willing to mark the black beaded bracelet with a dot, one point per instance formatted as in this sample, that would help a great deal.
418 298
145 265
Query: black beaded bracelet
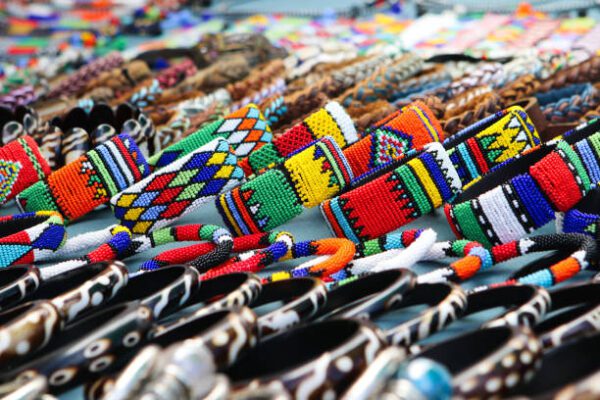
293 361
16 283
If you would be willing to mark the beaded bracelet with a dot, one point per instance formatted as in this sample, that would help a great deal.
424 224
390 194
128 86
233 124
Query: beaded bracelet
78 188
414 188
583 217
487 362
178 189
21 165
30 237
330 120
245 129
17 283
305 179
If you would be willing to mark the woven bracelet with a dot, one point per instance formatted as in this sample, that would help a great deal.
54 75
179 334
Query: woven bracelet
305 179
21 165
78 188
30 237
181 187
245 129
416 187
330 120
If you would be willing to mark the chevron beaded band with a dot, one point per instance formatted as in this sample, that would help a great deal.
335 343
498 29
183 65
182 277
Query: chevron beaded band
330 120
78 188
305 179
29 237
415 188
21 165
179 188
245 129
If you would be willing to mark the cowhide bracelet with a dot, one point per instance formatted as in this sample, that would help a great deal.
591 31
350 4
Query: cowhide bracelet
302 299
446 303
245 130
361 297
21 165
78 188
331 120
487 362
414 188
305 179
30 237
16 283
179 188
87 348
569 372
575 313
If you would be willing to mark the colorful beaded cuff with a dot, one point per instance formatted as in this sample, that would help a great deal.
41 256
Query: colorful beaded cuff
30 237
179 188
583 217
500 137
245 129
330 120
78 188
522 195
305 179
21 165
416 187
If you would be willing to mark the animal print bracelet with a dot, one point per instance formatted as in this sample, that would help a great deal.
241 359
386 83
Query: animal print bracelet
16 283
79 187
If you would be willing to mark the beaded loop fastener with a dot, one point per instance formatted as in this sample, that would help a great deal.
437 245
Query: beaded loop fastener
305 179
78 188
179 188
21 165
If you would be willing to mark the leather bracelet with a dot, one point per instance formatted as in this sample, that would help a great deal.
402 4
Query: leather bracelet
487 362
244 129
78 188
446 303
305 179
414 188
331 120
16 283
30 237
21 165
350 345
178 189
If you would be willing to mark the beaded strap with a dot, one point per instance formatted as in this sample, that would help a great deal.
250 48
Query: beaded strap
78 188
330 120
179 188
304 179
21 165
381 205
245 129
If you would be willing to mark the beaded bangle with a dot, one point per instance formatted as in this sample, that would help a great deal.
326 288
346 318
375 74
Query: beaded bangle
78 188
330 120
305 179
178 189
487 362
583 217
245 130
395 198
288 361
17 283
30 237
21 165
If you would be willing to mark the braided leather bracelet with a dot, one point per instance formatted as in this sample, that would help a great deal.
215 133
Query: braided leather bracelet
78 188
181 187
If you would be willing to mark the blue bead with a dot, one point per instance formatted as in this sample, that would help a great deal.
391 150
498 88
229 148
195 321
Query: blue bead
428 377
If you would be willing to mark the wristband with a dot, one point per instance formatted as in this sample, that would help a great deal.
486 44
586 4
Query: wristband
395 198
331 121
580 305
21 165
17 283
446 303
305 179
30 237
289 360
583 217
244 129
487 362
302 298
76 189
178 189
